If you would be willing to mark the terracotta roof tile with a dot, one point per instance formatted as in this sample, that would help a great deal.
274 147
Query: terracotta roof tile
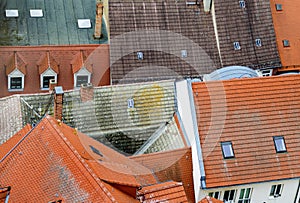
16 61
47 61
172 192
208 199
173 165
248 113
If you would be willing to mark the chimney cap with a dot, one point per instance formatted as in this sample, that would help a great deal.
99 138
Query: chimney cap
58 90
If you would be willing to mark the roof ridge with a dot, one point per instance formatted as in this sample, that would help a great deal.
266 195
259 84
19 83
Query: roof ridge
81 160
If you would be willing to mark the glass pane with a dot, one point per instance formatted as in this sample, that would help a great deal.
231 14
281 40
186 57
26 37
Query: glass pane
242 194
210 194
217 195
247 195
46 81
226 195
272 190
277 192
231 194
279 142
227 150
81 79
16 83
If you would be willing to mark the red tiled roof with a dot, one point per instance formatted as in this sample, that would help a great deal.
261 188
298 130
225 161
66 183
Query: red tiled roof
96 61
249 112
7 146
171 192
66 164
16 62
173 165
79 61
209 199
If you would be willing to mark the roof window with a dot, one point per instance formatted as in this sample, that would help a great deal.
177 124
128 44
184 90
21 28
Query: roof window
11 13
84 23
130 103
227 150
286 43
236 46
258 42
242 4
279 144
278 7
140 55
36 13
183 53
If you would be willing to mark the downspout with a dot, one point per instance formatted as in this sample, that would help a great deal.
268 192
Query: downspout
297 192
197 138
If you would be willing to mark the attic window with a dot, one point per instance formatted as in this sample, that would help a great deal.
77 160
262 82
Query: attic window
36 13
11 13
16 81
183 53
286 43
236 46
242 4
46 81
227 150
216 194
81 80
258 42
278 7
96 151
279 144
276 190
84 23
140 55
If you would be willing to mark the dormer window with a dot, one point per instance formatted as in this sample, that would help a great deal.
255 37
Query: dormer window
82 69
15 71
227 150
48 69
279 144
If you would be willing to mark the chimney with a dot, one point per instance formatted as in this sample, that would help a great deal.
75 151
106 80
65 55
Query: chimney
52 85
86 92
58 102
98 23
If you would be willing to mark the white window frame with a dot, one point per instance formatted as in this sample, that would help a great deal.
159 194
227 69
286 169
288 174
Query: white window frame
15 74
225 146
82 72
47 73
242 4
274 193
244 198
236 45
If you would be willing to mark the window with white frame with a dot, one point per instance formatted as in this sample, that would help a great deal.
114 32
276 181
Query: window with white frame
279 144
48 75
245 195
83 76
229 196
276 190
16 81
227 150
242 4
216 194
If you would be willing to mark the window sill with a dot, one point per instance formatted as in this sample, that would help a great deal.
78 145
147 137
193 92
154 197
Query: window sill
15 90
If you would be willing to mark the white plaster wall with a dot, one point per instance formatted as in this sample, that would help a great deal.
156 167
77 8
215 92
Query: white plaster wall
185 111
261 191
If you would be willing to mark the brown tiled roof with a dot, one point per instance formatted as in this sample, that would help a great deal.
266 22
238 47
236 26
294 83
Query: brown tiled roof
161 30
165 192
209 199
286 25
245 25
173 165
79 61
60 58
249 112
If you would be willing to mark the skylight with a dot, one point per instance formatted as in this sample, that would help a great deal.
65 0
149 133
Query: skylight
258 42
286 43
36 13
278 7
84 23
11 13
227 150
279 144
236 46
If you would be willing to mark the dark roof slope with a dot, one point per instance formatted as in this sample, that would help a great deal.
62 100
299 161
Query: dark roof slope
58 26
245 25
249 113
161 29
